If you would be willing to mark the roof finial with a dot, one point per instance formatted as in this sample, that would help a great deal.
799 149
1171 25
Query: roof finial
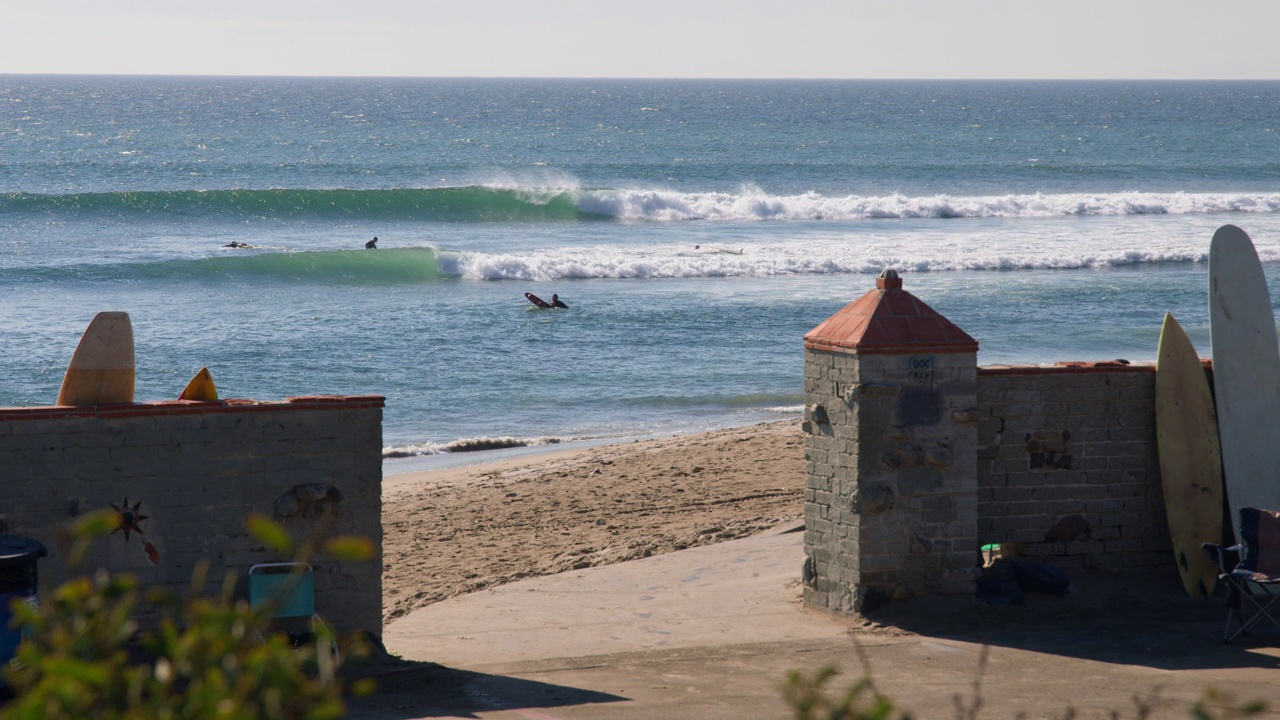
889 280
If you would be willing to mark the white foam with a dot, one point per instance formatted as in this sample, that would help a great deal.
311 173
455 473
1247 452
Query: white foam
918 251
750 203
415 450
463 445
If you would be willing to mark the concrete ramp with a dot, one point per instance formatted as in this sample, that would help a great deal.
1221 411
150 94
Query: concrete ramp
742 591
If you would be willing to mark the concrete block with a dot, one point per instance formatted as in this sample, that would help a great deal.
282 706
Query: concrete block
1107 506
1122 546
1098 421
1089 492
1013 494
1120 518
1008 523
1126 490
1129 462
1010 465
1029 535
1142 531
1146 505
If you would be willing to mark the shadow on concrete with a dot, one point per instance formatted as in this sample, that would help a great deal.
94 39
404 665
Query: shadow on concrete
1133 619
423 690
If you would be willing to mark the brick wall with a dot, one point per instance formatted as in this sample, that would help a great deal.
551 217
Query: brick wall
1067 465
192 472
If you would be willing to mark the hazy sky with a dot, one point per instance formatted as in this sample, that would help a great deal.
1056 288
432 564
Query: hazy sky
647 38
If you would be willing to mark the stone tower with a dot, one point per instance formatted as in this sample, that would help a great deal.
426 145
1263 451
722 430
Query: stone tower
891 447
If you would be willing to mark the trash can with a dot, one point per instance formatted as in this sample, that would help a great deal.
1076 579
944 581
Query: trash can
18 557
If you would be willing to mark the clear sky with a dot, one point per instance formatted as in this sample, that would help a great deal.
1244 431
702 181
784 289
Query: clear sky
1113 39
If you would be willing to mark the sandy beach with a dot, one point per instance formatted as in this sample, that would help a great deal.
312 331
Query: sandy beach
453 531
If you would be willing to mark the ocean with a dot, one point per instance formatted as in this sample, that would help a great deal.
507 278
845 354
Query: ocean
695 229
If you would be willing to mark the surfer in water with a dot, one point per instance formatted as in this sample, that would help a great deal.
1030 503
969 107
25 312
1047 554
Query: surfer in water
372 244
556 303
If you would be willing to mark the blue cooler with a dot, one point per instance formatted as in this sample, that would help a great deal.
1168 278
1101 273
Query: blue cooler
18 557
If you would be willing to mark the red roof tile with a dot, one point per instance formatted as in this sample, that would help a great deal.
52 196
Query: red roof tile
889 320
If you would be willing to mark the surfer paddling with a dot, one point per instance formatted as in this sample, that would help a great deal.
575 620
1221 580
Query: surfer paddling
372 244
555 301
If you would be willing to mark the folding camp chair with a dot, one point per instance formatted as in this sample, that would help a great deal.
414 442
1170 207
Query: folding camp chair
291 587
1254 583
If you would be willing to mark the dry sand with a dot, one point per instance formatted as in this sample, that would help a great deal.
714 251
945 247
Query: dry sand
454 531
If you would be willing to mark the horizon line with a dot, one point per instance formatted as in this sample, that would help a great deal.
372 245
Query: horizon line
743 78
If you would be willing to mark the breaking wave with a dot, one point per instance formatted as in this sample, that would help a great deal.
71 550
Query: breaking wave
479 203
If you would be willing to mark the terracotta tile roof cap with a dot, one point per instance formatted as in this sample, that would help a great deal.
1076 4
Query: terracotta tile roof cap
888 320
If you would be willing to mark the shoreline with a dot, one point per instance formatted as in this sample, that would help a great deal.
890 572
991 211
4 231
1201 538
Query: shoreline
402 464
452 530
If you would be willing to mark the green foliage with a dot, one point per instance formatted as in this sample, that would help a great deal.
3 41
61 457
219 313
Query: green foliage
1217 705
350 548
208 657
270 533
808 697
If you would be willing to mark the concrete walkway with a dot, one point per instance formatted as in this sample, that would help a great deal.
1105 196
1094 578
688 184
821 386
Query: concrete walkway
712 632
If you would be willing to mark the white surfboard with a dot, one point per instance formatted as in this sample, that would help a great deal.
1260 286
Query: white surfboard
1246 372
101 371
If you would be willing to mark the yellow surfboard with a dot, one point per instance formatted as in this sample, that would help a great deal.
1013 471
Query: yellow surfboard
101 370
1190 457
201 387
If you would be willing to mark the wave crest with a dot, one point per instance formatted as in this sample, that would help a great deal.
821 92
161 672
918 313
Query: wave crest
755 204
567 202
323 267
472 203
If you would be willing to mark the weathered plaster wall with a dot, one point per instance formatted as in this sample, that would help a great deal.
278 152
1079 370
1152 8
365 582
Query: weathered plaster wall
192 472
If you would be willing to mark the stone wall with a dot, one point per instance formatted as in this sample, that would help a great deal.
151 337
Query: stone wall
189 473
1067 465
890 506
917 458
